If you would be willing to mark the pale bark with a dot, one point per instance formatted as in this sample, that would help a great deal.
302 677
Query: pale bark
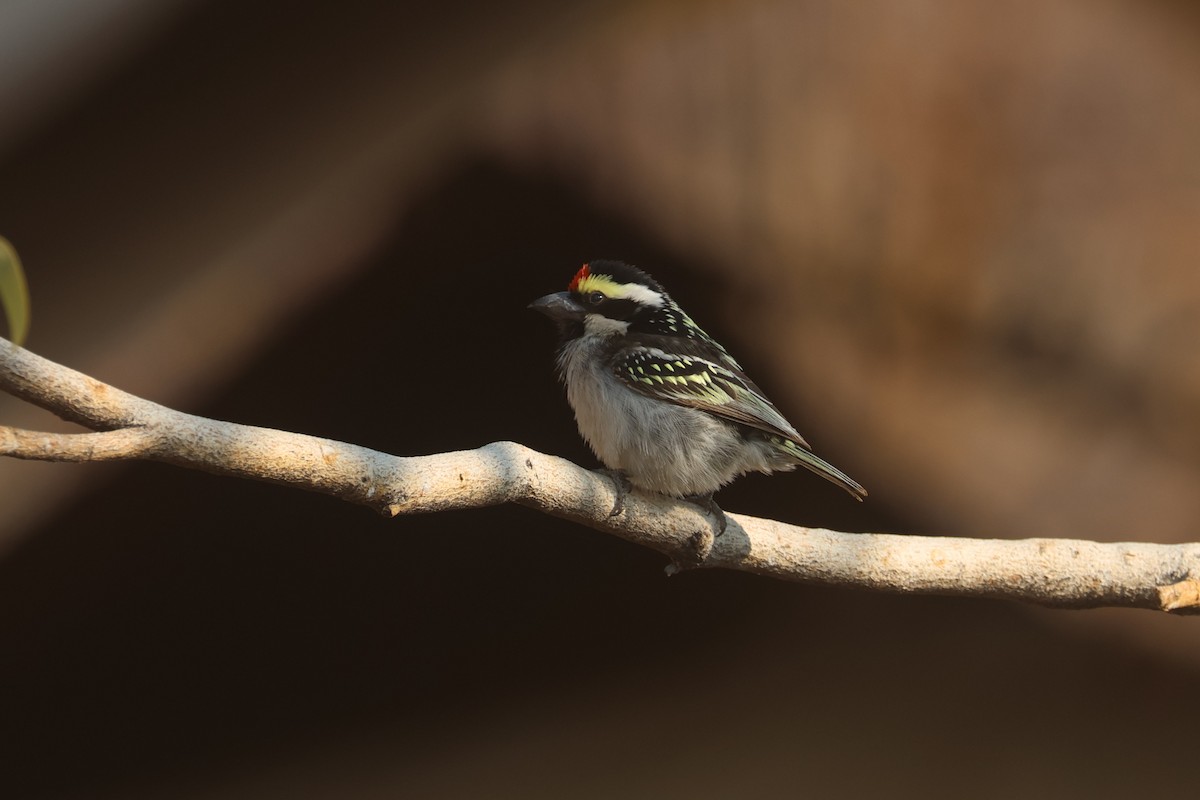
1051 572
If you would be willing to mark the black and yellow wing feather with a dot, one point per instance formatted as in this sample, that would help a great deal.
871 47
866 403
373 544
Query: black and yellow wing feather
708 379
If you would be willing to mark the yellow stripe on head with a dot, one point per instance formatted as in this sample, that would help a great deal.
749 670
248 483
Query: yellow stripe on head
586 281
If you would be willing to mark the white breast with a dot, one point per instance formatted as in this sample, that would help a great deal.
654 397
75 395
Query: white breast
660 446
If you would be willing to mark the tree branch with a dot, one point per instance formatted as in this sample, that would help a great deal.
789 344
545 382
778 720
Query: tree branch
1062 573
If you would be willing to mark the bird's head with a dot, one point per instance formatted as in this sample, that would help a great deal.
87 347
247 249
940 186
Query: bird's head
611 298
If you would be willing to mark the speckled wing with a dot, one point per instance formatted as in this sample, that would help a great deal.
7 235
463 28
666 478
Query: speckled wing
703 384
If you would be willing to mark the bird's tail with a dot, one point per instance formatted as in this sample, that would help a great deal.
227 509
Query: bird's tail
810 460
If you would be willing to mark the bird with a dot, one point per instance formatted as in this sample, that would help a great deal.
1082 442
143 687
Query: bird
662 404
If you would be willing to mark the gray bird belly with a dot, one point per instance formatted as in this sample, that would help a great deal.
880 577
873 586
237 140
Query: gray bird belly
660 446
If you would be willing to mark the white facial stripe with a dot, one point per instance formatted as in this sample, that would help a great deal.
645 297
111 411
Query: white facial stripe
641 294
600 325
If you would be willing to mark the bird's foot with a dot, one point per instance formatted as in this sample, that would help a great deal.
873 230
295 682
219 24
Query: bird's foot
623 487
710 507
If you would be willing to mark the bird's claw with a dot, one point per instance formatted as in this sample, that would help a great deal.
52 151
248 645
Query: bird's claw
711 508
623 487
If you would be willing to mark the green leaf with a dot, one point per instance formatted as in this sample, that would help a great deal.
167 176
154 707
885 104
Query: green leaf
14 293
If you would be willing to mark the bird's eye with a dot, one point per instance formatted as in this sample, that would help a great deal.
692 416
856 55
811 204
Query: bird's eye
596 298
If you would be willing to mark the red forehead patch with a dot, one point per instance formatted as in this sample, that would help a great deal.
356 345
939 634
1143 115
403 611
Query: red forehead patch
584 271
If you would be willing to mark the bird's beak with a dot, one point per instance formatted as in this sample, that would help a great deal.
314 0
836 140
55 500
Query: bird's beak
559 305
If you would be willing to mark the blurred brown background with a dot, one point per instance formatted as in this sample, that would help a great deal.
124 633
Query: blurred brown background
957 242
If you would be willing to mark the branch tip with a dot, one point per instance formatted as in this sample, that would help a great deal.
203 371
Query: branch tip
1180 598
